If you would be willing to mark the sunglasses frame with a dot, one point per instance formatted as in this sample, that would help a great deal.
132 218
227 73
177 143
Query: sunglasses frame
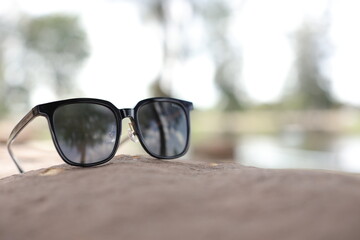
47 110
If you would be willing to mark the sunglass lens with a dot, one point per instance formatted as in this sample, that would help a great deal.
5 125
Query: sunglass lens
164 128
85 132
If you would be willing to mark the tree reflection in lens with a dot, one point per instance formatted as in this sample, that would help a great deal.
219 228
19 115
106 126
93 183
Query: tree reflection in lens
163 126
86 133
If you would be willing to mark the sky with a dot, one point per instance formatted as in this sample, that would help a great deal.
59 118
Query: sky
126 55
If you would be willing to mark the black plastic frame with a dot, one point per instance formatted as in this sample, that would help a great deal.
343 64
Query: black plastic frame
47 110
186 106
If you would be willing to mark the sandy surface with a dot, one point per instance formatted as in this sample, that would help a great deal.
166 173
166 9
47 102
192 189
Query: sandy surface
144 198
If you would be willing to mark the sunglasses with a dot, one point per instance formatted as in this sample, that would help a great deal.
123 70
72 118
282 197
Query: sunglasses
86 132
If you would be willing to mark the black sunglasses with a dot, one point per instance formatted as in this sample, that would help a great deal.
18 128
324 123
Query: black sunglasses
86 131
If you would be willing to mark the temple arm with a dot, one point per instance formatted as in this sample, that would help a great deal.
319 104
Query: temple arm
18 128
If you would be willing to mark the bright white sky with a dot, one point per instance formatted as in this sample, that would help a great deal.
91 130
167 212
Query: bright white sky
126 55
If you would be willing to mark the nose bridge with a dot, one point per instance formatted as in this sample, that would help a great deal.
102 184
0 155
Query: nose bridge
127 112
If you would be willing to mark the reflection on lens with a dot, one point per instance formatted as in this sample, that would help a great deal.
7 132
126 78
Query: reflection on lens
163 126
86 133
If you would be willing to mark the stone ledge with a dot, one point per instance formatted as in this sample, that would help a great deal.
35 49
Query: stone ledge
143 198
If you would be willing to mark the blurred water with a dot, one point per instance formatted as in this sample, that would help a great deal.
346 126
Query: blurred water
300 150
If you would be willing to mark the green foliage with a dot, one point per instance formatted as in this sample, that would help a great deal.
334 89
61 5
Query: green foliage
60 43
49 51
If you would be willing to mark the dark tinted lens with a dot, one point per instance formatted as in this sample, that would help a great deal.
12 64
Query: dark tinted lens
164 128
86 133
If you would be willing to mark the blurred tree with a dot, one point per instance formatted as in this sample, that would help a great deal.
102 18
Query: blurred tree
311 88
217 15
58 45
40 51
14 89
158 90
157 11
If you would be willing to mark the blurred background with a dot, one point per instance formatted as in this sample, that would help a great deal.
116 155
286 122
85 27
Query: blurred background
274 83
